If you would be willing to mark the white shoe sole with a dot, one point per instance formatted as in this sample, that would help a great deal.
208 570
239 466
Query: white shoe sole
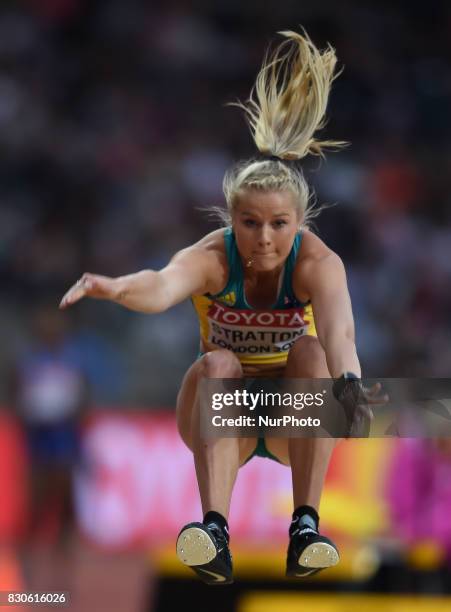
320 555
195 547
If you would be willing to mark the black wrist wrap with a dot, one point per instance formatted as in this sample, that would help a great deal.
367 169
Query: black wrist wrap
349 392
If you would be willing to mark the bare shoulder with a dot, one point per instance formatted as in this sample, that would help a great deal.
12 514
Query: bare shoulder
313 248
315 261
214 241
212 247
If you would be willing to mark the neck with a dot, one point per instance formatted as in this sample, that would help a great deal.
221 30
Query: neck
264 276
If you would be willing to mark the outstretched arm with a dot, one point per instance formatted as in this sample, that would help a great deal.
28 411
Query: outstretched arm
190 271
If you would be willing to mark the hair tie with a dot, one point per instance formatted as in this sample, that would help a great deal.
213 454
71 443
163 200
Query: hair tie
287 162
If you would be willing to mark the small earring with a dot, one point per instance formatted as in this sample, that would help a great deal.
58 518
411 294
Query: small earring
249 263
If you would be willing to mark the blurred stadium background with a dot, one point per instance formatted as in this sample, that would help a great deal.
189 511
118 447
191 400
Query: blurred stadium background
113 136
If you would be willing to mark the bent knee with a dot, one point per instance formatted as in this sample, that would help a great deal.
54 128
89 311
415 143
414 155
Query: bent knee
221 364
307 346
308 358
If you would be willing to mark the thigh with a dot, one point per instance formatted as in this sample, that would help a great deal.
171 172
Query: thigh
306 359
185 411
186 398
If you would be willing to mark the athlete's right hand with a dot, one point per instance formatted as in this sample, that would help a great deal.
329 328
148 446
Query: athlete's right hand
91 285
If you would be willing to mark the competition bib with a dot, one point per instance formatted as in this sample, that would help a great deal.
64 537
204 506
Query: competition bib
253 335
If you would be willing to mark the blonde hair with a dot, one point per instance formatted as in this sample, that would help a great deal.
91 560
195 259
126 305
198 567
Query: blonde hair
286 107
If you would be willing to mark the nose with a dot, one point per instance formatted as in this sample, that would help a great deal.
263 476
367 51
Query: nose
264 238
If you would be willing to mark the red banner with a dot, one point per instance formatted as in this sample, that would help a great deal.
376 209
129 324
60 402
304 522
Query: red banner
138 485
13 479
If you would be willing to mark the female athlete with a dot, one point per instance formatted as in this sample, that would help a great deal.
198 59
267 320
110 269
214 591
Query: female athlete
265 260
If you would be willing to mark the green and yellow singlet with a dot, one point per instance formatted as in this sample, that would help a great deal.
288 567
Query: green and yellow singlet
256 336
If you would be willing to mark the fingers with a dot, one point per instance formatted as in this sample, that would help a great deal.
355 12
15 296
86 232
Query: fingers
373 396
77 291
74 294
375 388
380 399
366 411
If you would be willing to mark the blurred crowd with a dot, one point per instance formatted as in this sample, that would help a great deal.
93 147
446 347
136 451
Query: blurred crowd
114 136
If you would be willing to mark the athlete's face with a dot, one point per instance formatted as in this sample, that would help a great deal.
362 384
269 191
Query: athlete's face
265 225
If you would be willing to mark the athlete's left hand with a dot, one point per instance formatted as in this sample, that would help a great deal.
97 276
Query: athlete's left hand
357 401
